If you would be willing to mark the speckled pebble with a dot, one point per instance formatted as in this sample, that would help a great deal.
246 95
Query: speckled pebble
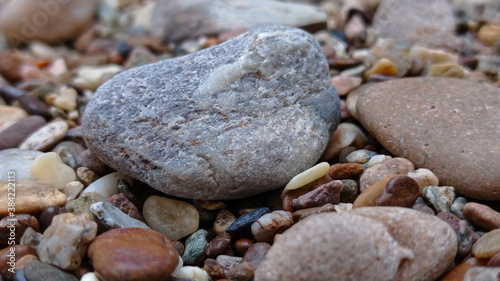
86 175
110 217
244 222
46 136
228 262
326 193
242 272
360 156
223 220
465 235
393 166
350 191
271 224
65 242
121 202
194 253
218 246
440 197
73 189
82 204
424 177
342 171
31 238
172 218
482 216
457 207
213 268
487 245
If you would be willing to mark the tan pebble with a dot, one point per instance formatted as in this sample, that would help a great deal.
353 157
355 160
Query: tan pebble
172 218
424 177
446 70
482 273
394 166
344 84
423 59
271 224
376 159
46 136
10 115
73 189
32 197
384 67
482 215
346 134
342 171
487 245
20 263
371 194
66 100
489 33
86 175
223 220
303 213
211 205
50 167
91 77
307 176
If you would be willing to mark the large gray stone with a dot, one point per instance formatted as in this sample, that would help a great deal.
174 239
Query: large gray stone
180 19
230 121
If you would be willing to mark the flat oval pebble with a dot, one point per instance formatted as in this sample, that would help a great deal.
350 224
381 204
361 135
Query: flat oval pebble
482 215
39 271
307 176
448 126
45 137
31 197
172 218
211 125
110 217
374 243
12 136
487 245
49 167
134 254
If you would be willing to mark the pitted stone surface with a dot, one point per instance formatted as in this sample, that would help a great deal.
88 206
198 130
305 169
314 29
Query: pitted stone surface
230 121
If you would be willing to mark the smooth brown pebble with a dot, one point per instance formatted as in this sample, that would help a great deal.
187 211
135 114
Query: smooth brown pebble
487 245
133 254
494 261
222 221
400 191
256 253
12 136
326 193
242 245
393 166
370 195
482 215
218 246
213 268
179 247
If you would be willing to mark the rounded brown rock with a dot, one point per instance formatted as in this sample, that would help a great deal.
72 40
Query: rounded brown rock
399 191
242 245
391 243
482 215
437 123
20 251
370 195
218 246
133 254
343 171
17 132
392 166
256 253
487 245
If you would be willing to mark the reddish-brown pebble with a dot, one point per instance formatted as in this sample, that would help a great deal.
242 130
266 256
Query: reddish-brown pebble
482 215
326 193
20 251
218 246
494 261
371 194
179 247
457 273
487 245
242 272
213 268
121 202
290 196
242 245
256 254
133 254
399 191
20 222
17 132
343 171
47 215
423 208
393 166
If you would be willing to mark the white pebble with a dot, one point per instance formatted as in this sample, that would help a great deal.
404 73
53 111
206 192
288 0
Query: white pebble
91 77
107 186
194 273
180 264
50 167
46 136
360 156
89 276
377 159
307 176
18 160
424 177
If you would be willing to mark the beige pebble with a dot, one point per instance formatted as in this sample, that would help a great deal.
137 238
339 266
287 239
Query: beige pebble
66 99
383 66
172 218
271 224
9 115
489 33
32 197
394 166
423 59
223 220
193 273
487 245
447 70
424 177
46 136
50 167
73 189
346 134
344 84
91 77
306 177
90 276
376 159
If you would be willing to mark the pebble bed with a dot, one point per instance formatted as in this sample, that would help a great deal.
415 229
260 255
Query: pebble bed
360 213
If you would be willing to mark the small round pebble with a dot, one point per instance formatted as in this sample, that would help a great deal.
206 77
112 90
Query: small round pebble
487 245
482 215
271 224
360 156
134 254
223 220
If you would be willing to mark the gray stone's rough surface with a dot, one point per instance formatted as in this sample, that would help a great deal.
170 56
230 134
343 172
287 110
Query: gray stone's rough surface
181 19
448 126
110 217
230 121
371 243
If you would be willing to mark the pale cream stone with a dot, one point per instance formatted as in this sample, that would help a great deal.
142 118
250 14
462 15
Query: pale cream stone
66 99
46 136
193 273
107 186
424 177
50 167
90 276
172 218
73 189
9 115
487 245
91 77
346 134
423 59
307 176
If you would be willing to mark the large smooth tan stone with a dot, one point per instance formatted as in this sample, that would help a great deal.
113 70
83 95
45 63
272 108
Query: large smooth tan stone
31 197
